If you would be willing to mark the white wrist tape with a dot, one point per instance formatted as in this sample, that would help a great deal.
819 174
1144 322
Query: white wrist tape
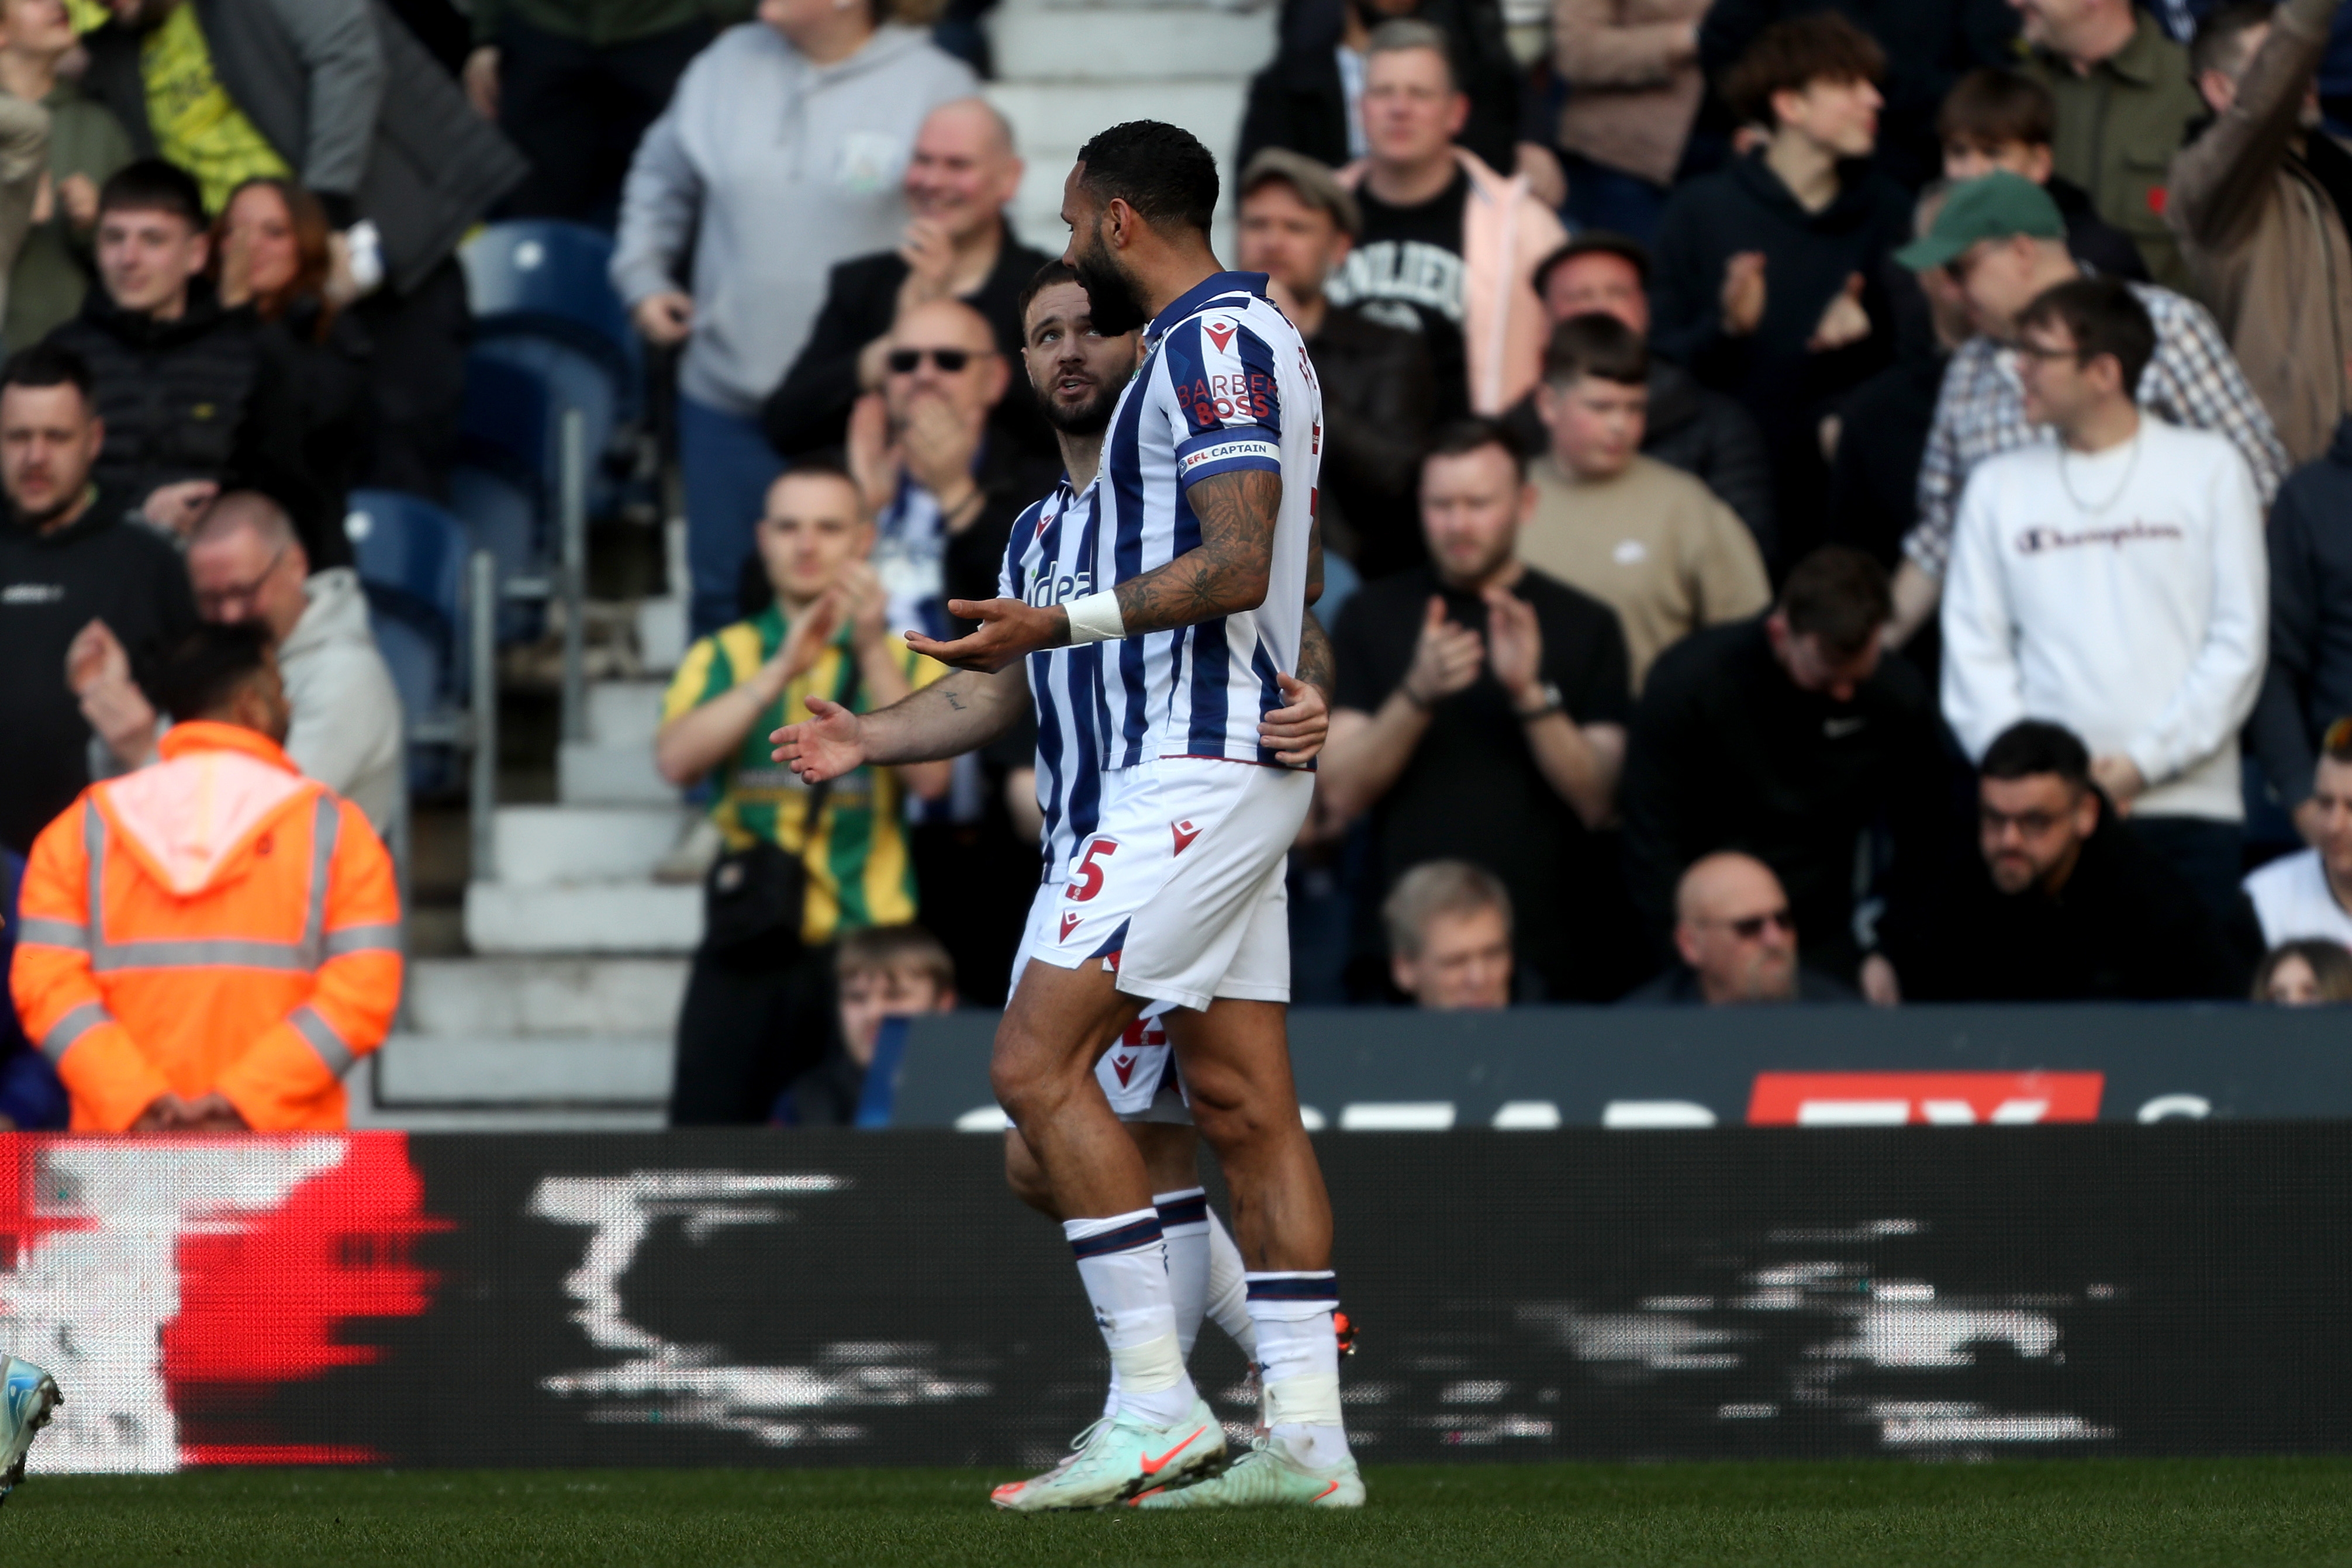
1096 618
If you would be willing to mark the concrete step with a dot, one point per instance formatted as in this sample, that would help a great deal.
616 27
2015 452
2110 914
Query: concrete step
624 712
587 774
1054 120
638 916
541 846
1149 46
468 997
490 1071
661 633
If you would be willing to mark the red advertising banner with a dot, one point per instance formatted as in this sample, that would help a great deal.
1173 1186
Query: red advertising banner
1934 1098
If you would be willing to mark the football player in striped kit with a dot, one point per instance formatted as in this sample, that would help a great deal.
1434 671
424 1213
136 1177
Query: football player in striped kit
1203 567
1078 373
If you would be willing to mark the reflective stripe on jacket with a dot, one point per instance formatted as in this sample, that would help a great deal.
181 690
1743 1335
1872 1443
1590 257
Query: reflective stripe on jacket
216 922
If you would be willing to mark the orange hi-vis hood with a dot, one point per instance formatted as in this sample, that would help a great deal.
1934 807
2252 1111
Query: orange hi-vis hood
216 922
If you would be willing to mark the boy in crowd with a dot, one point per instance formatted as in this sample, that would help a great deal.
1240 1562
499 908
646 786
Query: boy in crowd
1765 285
881 972
1995 118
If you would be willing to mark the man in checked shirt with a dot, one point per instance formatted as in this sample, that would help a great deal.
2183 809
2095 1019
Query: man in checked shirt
2001 240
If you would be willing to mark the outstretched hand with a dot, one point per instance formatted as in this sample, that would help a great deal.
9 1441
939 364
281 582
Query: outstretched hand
827 744
1295 731
1009 630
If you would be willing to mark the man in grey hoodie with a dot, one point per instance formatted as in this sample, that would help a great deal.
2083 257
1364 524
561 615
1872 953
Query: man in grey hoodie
780 155
246 564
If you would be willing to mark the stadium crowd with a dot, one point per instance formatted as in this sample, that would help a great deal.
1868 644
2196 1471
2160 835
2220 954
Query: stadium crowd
1824 502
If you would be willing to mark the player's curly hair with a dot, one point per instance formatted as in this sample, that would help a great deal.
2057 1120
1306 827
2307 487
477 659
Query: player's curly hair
1159 170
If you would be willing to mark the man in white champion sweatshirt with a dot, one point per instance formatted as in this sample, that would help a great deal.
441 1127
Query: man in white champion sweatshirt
2114 582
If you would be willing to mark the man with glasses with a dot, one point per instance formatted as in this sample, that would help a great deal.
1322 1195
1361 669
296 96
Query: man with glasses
68 559
1737 940
2065 905
247 565
2001 240
2114 582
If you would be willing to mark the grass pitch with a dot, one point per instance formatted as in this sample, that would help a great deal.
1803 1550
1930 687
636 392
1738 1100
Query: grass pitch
2235 1512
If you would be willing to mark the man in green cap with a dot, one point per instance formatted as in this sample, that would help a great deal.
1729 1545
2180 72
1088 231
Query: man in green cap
2001 240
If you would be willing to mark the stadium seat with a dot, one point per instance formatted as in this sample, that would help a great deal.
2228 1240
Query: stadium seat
503 483
411 557
538 277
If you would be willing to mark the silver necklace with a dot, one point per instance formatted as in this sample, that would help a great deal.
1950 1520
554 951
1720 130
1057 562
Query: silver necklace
2122 485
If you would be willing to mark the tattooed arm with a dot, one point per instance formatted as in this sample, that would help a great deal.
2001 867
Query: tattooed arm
1295 732
1225 575
958 713
1316 665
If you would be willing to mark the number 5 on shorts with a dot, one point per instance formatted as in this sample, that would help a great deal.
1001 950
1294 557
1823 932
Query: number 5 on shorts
1090 875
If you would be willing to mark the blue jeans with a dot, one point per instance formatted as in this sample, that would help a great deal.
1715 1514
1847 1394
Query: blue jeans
727 465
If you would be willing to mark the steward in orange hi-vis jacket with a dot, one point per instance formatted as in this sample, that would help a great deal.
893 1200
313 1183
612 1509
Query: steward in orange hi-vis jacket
216 925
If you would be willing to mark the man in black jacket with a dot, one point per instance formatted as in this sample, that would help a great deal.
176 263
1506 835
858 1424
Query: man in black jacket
347 101
67 556
1298 224
2064 903
192 395
1692 427
1308 102
1767 284
1788 738
958 245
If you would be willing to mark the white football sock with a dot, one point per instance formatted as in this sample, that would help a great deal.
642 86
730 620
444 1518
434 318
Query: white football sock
1184 1223
1228 1305
1299 1355
1124 1265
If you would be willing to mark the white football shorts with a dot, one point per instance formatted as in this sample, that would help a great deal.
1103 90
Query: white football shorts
1180 890
1139 1073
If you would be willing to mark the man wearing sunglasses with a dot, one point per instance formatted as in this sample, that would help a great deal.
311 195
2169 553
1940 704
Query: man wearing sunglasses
2064 902
1737 939
944 486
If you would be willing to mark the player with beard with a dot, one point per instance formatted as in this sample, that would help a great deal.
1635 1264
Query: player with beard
1078 373
1203 570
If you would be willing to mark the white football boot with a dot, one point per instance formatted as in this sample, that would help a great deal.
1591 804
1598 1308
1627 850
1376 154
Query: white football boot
1117 1457
28 1394
1265 1477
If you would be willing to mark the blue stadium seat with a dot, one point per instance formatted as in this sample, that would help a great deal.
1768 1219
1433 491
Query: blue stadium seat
503 485
569 379
540 278
411 557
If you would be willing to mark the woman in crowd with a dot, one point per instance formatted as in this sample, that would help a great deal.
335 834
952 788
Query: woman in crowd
780 155
2305 974
274 250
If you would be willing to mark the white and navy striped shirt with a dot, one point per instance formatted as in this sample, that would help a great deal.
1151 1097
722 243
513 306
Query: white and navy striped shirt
1225 386
1050 560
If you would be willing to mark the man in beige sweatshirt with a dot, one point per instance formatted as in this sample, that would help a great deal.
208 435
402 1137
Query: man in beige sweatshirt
1648 541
